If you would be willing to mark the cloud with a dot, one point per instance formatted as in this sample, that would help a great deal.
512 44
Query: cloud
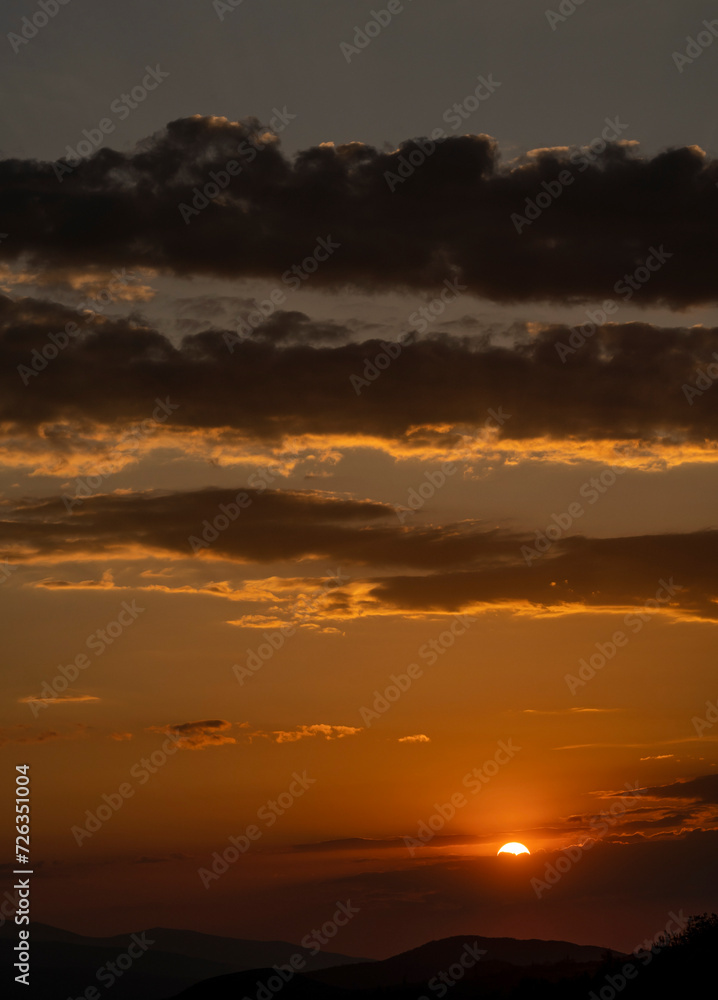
419 738
198 735
21 734
416 235
443 569
701 789
652 812
393 843
121 737
305 732
569 711
305 401
58 699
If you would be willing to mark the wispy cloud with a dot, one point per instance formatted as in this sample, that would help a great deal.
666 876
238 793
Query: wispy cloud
198 735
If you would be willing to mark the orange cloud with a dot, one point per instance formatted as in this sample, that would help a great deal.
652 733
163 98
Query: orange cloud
198 735
58 699
303 732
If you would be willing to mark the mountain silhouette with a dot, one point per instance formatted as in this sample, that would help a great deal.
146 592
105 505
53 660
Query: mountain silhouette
64 964
495 963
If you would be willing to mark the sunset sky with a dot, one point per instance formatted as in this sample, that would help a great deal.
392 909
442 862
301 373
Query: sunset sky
358 456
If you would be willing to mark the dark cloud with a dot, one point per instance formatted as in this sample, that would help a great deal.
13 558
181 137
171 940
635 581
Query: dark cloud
624 383
703 789
448 216
22 733
453 566
198 735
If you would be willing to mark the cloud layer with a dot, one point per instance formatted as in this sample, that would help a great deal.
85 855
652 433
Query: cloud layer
119 388
401 568
449 214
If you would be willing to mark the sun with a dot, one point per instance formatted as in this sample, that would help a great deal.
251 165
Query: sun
514 848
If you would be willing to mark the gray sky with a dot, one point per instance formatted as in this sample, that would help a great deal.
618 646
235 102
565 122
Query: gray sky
608 58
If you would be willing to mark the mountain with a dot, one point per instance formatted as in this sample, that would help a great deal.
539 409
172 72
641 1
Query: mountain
421 964
497 964
65 964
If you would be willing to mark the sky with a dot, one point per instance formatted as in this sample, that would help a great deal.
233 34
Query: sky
358 463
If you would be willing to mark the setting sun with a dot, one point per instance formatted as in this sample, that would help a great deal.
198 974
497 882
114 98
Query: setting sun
513 848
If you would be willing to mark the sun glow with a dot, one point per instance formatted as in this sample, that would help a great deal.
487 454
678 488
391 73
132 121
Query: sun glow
513 848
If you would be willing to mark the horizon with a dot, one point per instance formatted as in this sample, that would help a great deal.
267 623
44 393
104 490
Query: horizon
359 452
